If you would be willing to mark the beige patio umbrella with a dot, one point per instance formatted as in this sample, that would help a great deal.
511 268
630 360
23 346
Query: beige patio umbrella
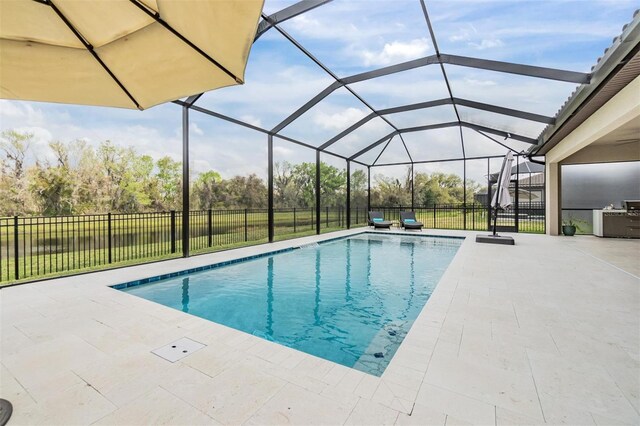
123 53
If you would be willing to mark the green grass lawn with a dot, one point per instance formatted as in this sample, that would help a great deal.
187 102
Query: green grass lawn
51 265
65 246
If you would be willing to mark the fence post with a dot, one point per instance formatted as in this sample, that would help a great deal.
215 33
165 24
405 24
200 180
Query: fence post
16 247
209 228
294 220
464 215
246 236
434 216
109 235
326 215
173 231
473 215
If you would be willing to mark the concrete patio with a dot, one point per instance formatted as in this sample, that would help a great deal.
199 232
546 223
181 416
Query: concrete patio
547 331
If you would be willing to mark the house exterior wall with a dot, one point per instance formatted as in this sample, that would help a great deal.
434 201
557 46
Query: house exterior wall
618 111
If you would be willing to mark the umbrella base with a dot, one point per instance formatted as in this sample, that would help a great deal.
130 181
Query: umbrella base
497 239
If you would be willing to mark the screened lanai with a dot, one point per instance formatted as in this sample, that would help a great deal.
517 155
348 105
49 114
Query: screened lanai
424 102
345 107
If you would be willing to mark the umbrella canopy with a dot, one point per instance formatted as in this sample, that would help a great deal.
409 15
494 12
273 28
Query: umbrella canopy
123 53
523 168
501 197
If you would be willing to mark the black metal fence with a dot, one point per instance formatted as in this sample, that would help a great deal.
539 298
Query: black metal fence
528 217
33 247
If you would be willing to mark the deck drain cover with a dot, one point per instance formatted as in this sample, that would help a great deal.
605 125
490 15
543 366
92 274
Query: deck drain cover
179 349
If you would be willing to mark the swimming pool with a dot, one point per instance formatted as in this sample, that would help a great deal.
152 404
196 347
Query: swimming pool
350 300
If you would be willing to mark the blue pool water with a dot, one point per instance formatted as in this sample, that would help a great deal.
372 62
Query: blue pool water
345 300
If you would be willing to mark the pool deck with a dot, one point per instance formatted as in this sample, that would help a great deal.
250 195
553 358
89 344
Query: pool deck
547 331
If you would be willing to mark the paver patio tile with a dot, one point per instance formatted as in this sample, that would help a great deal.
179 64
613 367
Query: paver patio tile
368 413
457 405
157 407
295 405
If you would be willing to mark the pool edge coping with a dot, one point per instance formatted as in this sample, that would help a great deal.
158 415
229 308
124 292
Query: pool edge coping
220 264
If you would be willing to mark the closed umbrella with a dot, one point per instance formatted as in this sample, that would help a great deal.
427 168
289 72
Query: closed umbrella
123 53
501 200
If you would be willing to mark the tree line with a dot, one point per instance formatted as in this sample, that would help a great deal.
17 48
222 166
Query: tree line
82 179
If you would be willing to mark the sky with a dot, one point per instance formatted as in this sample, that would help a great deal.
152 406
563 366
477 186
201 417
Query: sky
350 37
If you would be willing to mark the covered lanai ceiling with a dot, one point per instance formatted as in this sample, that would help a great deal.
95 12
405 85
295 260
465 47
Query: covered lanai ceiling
438 90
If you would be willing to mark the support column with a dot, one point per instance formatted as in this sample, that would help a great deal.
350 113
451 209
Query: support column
517 195
413 195
464 193
185 181
368 190
553 213
270 218
317 192
348 194
489 194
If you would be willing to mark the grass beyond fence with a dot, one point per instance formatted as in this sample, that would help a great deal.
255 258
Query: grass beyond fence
43 247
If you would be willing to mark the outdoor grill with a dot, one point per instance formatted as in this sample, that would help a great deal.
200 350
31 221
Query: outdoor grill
622 223
632 207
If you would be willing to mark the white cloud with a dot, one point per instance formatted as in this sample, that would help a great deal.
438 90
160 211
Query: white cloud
10 109
396 51
474 39
475 82
487 44
248 118
463 34
339 120
199 166
195 129
23 112
281 151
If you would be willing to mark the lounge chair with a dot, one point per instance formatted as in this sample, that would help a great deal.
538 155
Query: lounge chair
376 219
408 221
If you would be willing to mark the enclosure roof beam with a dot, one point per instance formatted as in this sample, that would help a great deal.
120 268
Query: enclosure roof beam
406 130
346 131
286 14
419 105
353 79
444 72
496 141
438 102
259 129
441 58
391 69
306 107
382 152
406 163
373 145
504 111
498 132
328 71
405 147
430 127
442 126
520 69
503 133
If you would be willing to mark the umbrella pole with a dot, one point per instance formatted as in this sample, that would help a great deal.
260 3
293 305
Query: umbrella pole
498 187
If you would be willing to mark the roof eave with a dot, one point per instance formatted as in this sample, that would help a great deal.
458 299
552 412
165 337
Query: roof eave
610 62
